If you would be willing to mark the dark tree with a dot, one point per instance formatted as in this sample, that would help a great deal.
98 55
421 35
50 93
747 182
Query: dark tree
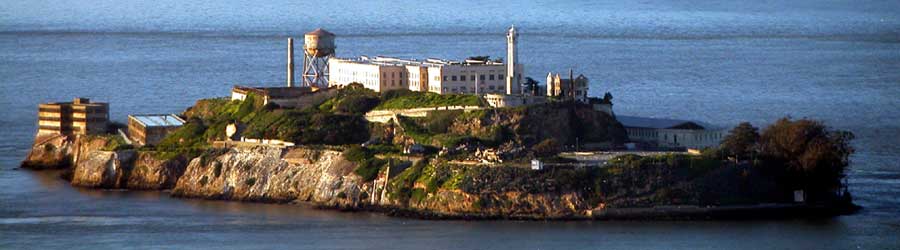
806 154
607 98
741 141
531 85
479 58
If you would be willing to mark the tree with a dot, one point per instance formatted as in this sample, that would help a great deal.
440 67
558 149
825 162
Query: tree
741 141
607 98
531 85
479 58
806 154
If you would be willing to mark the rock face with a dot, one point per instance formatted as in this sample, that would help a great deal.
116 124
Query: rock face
270 174
103 169
127 169
52 151
320 177
150 172
516 205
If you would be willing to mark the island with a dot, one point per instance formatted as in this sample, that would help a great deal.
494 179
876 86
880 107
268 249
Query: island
445 139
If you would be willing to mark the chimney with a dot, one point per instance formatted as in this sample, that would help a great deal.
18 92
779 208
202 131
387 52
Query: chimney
571 84
290 63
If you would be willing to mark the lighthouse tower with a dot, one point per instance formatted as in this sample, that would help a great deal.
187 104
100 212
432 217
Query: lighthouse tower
513 77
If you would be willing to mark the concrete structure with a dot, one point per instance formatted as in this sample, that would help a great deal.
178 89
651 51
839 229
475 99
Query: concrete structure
537 164
670 133
290 63
150 129
318 47
573 87
79 117
285 97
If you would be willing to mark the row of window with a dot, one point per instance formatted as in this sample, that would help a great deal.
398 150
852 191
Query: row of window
471 90
472 77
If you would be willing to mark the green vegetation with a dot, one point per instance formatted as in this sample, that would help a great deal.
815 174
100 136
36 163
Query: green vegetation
206 122
116 142
741 141
368 166
406 99
352 99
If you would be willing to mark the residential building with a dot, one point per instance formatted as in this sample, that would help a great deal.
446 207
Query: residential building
150 129
574 87
79 117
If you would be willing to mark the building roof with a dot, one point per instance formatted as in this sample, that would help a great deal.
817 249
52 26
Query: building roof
660 123
158 120
320 32
392 61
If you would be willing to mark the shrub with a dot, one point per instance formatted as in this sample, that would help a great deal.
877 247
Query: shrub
741 140
546 148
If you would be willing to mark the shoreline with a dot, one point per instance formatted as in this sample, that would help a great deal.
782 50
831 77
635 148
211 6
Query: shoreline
659 213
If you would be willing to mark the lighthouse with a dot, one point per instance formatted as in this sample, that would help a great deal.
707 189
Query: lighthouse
513 77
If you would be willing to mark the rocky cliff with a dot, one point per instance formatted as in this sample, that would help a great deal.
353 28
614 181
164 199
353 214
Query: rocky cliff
52 151
271 174
321 177
127 169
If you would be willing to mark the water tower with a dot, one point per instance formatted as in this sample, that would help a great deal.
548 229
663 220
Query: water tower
318 46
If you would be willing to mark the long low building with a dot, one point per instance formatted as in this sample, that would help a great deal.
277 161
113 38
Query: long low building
79 117
671 133
150 129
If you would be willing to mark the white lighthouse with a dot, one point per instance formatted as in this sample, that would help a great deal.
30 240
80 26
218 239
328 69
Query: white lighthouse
513 77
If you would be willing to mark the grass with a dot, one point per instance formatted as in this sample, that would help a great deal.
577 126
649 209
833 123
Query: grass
410 99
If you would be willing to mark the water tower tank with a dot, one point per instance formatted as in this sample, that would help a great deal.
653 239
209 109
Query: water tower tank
319 43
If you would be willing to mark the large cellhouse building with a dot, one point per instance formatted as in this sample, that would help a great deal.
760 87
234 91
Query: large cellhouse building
434 75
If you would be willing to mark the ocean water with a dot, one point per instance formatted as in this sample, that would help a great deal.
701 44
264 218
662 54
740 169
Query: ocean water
721 62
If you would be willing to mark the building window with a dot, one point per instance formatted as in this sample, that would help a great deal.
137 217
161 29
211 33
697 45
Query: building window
491 77
500 76
492 87
453 78
445 78
481 77
472 78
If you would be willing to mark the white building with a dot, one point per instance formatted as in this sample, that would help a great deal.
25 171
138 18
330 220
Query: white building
435 75
373 74
670 133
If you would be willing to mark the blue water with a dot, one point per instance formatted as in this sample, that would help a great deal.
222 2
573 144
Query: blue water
721 62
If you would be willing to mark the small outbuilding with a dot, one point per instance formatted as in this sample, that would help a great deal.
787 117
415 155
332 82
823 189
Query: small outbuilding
150 129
